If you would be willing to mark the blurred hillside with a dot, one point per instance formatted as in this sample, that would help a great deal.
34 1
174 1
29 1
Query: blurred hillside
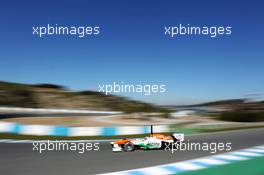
237 104
55 96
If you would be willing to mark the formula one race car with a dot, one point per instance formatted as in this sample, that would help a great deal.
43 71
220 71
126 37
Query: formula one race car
154 141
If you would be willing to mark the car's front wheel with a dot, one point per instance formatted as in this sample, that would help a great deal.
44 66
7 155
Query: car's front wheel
128 147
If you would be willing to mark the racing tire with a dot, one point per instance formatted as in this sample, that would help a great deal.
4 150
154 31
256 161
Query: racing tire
129 147
165 145
174 139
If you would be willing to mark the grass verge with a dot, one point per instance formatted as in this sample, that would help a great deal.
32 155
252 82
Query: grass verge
186 131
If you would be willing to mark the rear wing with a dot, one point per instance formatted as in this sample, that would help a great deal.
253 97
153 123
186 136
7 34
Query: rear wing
178 136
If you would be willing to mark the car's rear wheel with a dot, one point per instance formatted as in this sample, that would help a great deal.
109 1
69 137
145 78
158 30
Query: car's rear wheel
166 145
128 147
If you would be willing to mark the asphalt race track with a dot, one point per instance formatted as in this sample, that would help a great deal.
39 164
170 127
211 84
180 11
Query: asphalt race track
19 159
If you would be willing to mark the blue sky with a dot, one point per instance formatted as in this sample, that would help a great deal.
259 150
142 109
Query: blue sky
132 47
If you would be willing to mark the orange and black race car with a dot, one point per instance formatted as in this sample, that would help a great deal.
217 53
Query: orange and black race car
154 141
